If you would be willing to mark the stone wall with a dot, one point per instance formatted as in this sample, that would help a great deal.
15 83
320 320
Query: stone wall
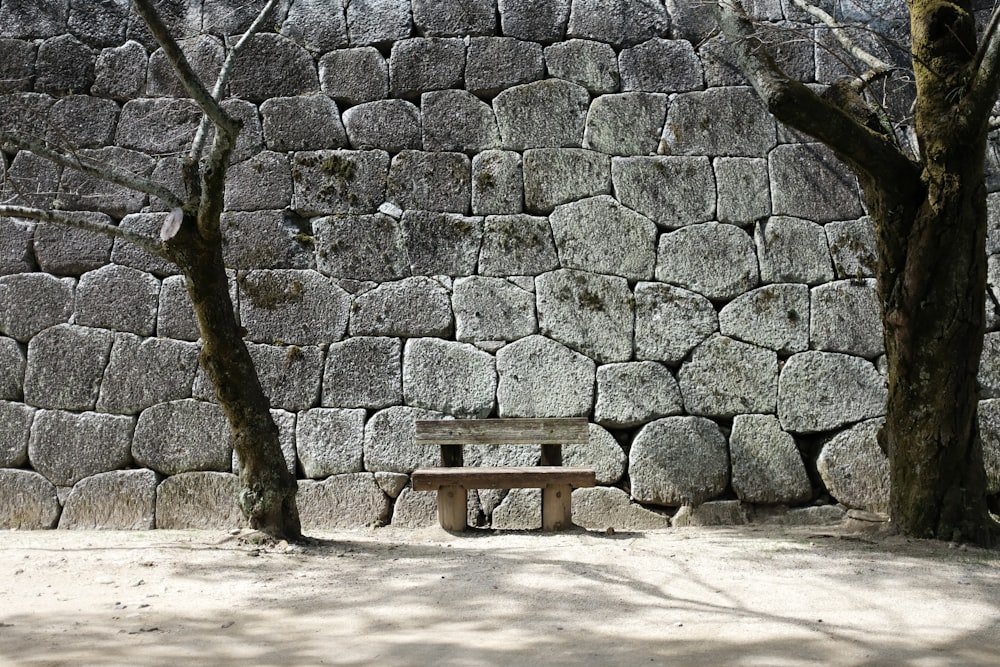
465 209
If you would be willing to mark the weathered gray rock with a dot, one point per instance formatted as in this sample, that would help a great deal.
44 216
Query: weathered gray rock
492 309
421 64
631 394
821 391
330 441
289 375
588 312
690 21
303 122
415 509
17 64
517 245
716 513
16 246
852 246
361 247
12 365
316 25
535 21
807 181
743 193
497 183
363 372
342 501
64 64
773 316
543 114
661 66
120 72
339 181
593 65
354 76
32 302
392 483
767 467
30 180
65 366
602 236
792 250
430 181
117 500
554 176
620 22
671 191
989 431
260 183
678 461
128 254
66 446
234 17
389 441
251 137
285 421
726 377
292 306
183 436
454 18
118 298
175 317
713 259
61 249
626 124
26 114
15 425
198 501
670 321
205 54
378 21
729 121
539 377
168 171
449 377
602 507
181 18
264 240
845 317
29 19
256 78
410 308
496 63
28 501
442 244
457 120
390 125
521 509
854 469
89 193
142 372
819 515
158 126
81 121
989 366
602 453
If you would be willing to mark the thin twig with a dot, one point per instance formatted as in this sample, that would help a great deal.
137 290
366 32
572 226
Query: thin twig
877 66
75 219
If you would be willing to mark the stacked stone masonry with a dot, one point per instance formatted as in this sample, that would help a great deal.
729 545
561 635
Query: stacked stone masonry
443 210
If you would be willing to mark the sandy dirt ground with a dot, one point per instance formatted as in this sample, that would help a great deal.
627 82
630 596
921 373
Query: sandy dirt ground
697 596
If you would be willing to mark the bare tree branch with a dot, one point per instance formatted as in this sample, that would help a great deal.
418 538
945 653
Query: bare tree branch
985 83
75 219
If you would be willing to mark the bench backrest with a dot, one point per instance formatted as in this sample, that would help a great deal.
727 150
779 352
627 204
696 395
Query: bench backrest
451 434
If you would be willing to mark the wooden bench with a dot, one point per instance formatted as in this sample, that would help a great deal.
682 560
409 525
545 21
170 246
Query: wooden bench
453 480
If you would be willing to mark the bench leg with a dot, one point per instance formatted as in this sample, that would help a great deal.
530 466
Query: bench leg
557 507
452 508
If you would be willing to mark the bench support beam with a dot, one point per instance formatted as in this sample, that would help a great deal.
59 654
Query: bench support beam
452 507
557 507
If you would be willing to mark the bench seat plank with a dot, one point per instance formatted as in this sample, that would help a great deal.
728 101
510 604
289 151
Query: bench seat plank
562 431
536 477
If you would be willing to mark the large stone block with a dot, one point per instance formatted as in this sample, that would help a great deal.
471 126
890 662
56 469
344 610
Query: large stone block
316 25
64 64
497 183
98 23
361 247
158 126
422 64
339 181
822 391
389 441
671 191
535 21
363 372
726 377
343 501
661 66
415 509
116 500
28 501
389 125
854 469
354 76
33 302
989 431
845 317
24 19
272 66
728 121
715 513
773 316
175 317
120 72
16 243
302 123
543 114
264 240
670 322
12 365
330 441
67 446
205 54
15 427
234 17
262 182
742 189
713 259
618 22
454 18
631 394
852 246
289 375
457 120
539 377
496 63
90 193
492 309
30 180
128 254
792 250
378 21
442 243
410 308
183 436
593 65
65 367
767 466
554 176
63 249
181 18
26 115
626 124
449 377
199 501
989 366
517 245
292 306
591 313
678 461
142 372
119 298
285 421
603 507
521 509
251 138
601 452
430 181
807 181
81 121
602 236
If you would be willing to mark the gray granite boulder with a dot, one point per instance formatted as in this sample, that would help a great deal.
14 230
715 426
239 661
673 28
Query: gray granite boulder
554 176
773 316
354 76
818 515
363 372
330 441
361 247
183 436
496 63
342 501
116 500
671 191
631 394
331 182
854 469
175 316
729 121
33 302
852 246
392 483
389 441
619 22
449 377
289 375
81 121
601 235
845 317
603 507
713 259
821 391
389 125
590 313
454 18
521 509
492 309
199 501
726 377
517 245
678 461
15 429
670 321
65 367
430 181
410 308
144 371
64 65
457 120
119 298
62 249
497 183
989 432
415 509
378 21
442 244
66 446
543 114
316 25
742 188
12 366
792 250
28 501
205 54
17 65
539 377
767 466
626 124
120 72
128 254
264 240
535 21
593 65
89 193
234 17
16 243
285 421
158 126
989 366
29 19
420 64
715 513
291 306
601 452
661 66
256 77
30 180
807 181
302 123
